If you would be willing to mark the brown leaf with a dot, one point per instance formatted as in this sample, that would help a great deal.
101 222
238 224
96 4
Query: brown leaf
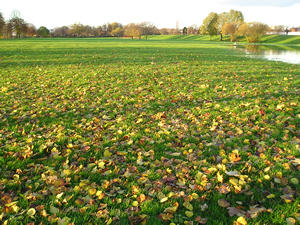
235 211
254 211
166 216
137 220
223 189
201 220
223 203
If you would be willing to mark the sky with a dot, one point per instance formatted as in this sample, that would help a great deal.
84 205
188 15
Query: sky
162 13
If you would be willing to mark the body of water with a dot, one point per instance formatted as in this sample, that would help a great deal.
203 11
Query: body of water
269 52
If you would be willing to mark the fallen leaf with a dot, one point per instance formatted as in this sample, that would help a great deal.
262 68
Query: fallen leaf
63 221
254 211
235 211
233 173
189 213
188 206
223 203
31 212
54 210
295 181
290 221
164 199
240 221
219 178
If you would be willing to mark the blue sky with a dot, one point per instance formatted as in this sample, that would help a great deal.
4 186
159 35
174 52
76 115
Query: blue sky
163 13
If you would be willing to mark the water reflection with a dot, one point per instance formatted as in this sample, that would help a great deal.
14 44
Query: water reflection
275 53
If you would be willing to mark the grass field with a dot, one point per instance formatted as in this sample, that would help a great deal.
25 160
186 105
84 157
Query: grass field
103 131
267 39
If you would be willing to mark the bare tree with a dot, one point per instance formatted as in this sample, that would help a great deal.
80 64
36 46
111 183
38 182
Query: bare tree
63 31
2 24
18 25
147 29
31 30
193 29
277 29
77 30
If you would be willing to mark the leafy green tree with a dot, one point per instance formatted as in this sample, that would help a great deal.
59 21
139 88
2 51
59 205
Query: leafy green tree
43 32
210 24
235 16
213 23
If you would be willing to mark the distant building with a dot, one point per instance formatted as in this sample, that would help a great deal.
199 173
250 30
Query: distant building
295 29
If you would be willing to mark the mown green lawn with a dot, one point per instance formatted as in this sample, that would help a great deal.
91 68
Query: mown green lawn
266 39
104 131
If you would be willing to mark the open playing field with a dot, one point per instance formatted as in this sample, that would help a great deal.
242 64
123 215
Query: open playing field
108 131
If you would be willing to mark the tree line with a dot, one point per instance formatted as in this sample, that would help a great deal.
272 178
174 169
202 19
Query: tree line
227 23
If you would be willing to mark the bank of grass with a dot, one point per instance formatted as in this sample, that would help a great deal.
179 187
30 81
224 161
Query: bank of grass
106 131
267 39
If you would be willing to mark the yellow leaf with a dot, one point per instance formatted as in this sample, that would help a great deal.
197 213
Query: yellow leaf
135 203
280 106
233 181
172 209
189 213
109 221
70 145
219 178
195 196
271 196
188 206
101 165
92 191
67 172
164 199
295 181
107 153
31 212
240 221
166 216
290 221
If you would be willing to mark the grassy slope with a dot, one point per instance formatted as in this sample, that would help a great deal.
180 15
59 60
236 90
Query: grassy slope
85 115
270 39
